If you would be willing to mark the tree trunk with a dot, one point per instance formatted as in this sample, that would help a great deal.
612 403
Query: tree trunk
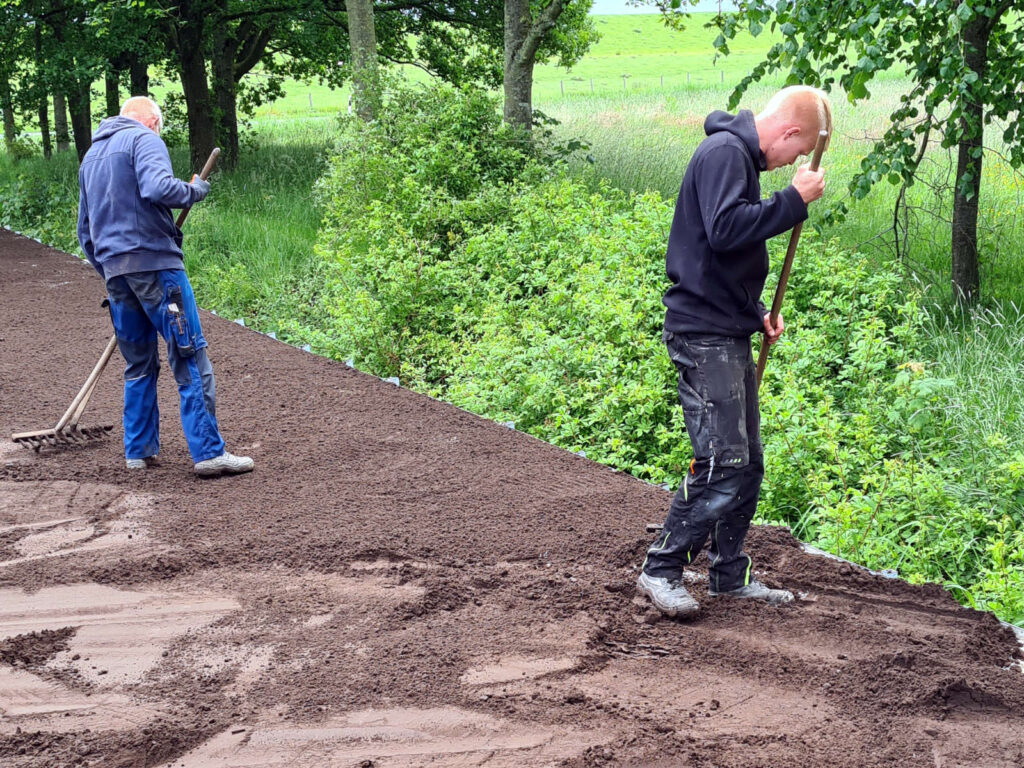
523 37
964 245
198 104
518 75
80 102
10 129
112 91
44 97
44 124
138 76
363 44
60 122
223 68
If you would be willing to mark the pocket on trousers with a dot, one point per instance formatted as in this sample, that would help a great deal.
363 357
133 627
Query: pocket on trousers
180 331
690 398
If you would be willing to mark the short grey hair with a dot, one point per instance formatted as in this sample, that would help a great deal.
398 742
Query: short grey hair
143 106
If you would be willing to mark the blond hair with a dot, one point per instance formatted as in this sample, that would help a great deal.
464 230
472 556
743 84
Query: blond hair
808 107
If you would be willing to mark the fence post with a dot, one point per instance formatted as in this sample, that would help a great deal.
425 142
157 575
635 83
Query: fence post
591 85
687 78
310 100
623 82
722 73
561 84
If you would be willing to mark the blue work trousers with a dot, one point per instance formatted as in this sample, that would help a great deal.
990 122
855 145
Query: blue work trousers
142 305
717 388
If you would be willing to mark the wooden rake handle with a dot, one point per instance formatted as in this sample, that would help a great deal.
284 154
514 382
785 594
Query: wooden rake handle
787 264
77 407
207 170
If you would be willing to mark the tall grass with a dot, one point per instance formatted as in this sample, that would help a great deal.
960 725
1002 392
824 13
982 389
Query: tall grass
982 350
251 241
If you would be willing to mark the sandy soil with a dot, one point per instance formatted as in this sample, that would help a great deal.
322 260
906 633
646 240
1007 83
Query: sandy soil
400 583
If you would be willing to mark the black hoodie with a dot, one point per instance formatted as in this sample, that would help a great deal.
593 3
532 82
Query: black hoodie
716 255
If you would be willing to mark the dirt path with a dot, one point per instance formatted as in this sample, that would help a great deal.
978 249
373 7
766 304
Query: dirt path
400 583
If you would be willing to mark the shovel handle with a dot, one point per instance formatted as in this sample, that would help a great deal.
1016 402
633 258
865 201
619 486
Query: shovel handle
787 264
207 170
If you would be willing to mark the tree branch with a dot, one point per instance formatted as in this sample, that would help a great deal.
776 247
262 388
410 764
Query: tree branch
252 50
545 21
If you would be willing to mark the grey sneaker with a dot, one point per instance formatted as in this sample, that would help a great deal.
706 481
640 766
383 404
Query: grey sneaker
755 590
225 464
669 597
148 461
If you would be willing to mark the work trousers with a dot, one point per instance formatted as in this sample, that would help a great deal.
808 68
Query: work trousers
142 305
717 389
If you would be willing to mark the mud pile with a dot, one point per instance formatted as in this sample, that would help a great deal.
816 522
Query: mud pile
400 583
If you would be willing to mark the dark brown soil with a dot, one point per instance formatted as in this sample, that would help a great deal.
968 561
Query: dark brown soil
393 555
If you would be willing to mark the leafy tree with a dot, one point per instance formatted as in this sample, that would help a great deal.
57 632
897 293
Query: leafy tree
963 63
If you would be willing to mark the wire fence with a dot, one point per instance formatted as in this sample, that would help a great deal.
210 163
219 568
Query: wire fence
625 83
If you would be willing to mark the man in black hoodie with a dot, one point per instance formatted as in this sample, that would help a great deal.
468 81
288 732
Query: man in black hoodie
717 261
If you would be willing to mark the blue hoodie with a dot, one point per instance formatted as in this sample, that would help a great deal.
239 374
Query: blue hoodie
716 257
126 192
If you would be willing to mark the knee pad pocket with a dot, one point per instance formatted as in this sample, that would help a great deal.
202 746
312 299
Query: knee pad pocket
180 331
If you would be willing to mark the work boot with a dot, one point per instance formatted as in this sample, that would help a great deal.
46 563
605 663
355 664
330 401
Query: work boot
144 463
669 597
757 591
225 464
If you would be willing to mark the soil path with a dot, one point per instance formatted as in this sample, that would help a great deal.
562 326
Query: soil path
400 583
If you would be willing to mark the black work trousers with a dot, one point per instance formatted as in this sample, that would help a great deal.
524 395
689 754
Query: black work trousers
718 392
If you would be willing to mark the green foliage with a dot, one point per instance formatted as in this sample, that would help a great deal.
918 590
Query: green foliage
962 63
40 199
402 192
566 337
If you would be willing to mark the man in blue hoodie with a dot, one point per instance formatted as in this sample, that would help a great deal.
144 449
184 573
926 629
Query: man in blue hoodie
717 261
125 228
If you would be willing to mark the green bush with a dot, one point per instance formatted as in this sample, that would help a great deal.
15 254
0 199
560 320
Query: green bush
40 198
401 193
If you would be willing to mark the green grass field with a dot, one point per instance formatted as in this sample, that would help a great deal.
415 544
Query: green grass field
639 47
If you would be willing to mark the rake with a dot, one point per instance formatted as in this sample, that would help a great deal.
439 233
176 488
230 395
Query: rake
67 431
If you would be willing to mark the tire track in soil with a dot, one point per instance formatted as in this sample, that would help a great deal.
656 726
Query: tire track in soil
401 583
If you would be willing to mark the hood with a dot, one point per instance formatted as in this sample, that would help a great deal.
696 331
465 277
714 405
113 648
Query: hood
741 125
112 125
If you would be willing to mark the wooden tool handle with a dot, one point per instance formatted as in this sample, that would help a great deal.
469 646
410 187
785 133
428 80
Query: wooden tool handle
787 264
77 407
203 174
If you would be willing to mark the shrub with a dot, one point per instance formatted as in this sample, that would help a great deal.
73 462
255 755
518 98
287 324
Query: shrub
40 198
400 195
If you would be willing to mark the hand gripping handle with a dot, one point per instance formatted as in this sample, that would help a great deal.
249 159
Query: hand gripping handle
787 264
207 170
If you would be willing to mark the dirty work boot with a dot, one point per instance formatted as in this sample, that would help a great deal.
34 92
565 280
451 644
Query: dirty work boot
144 463
225 464
669 597
757 591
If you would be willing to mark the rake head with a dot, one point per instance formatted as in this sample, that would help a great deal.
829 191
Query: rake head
60 438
